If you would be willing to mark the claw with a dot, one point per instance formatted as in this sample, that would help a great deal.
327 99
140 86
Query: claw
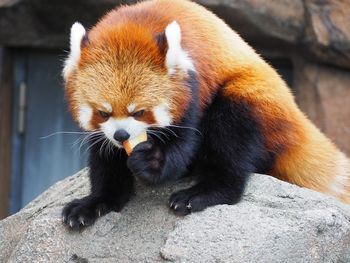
63 219
189 206
175 207
81 220
172 204
71 223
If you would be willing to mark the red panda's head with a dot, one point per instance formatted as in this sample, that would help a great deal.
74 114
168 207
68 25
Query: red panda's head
122 79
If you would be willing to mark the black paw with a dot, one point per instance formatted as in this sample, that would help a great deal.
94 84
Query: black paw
197 199
83 212
146 162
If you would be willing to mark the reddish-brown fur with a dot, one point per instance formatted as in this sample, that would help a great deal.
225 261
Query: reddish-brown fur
125 38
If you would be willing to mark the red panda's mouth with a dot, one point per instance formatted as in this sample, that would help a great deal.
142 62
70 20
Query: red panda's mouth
131 126
117 144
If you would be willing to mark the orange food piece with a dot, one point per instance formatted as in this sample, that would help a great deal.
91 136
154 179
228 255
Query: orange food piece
130 144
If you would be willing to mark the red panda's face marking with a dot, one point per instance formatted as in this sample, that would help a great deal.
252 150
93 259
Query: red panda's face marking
162 115
136 122
107 107
130 125
134 118
84 116
123 81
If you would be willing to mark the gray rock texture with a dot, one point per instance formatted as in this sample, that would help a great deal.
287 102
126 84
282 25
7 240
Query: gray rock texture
275 222
319 29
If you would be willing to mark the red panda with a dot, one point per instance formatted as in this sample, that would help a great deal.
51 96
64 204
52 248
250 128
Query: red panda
211 106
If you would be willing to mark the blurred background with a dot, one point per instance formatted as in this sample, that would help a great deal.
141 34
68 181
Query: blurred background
307 41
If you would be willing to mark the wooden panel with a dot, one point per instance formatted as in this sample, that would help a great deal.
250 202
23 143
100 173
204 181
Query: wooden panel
5 128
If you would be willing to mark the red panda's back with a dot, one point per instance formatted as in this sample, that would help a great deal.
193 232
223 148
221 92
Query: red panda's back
216 50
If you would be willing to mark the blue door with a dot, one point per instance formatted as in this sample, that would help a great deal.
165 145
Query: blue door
42 153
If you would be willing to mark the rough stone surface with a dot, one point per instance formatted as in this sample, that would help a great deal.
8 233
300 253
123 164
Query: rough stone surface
280 19
327 30
319 29
275 222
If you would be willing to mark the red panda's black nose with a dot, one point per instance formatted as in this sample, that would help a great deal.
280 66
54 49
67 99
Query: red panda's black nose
121 135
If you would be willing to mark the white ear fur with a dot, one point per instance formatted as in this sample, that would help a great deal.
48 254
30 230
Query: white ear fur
176 57
77 33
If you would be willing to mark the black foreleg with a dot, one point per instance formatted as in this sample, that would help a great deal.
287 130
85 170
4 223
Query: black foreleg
111 187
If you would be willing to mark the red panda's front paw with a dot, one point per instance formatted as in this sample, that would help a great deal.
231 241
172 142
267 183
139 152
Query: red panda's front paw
146 162
83 212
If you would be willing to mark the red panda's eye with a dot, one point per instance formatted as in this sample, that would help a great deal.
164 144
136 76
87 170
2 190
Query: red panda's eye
139 113
104 114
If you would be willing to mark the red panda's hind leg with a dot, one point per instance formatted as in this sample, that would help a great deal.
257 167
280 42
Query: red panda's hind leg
230 151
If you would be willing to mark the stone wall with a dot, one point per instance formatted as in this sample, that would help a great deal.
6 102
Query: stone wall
313 34
323 92
318 29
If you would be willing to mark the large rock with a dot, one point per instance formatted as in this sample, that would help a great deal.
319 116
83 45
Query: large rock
275 222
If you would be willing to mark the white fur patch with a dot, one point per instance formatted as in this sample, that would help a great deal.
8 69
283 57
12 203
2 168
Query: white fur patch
131 107
107 107
132 126
77 33
84 116
176 57
162 115
342 179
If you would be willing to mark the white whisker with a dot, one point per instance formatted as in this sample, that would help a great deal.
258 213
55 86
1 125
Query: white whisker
104 144
176 126
160 132
158 136
185 127
110 147
94 143
91 136
62 132
165 129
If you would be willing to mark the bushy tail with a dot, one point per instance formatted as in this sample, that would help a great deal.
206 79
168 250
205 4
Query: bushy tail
316 163
340 186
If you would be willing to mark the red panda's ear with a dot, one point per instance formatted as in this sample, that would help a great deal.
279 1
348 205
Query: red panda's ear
85 41
161 42
78 39
176 57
